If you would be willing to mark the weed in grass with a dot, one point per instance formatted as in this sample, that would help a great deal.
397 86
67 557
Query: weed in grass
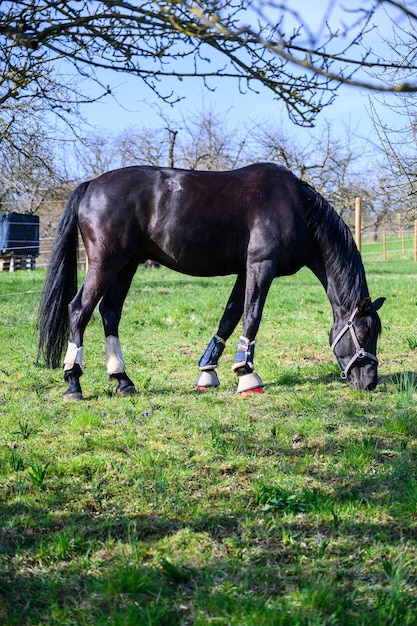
406 384
273 497
158 485
335 517
98 494
17 464
134 543
177 574
404 501
317 500
218 440
125 578
64 546
61 546
25 430
410 492
37 474
320 598
358 455
16 461
287 537
402 422
412 342
397 604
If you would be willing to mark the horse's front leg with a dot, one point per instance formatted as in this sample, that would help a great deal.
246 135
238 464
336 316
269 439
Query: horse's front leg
259 278
230 318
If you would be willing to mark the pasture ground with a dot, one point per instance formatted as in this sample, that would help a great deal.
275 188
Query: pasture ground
175 507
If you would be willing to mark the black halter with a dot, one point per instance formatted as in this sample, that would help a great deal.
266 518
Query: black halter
360 352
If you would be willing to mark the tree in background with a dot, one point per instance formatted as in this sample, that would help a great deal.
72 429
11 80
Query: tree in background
397 140
28 165
206 140
203 140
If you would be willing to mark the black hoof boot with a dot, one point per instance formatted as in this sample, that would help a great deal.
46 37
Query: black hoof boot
125 386
72 377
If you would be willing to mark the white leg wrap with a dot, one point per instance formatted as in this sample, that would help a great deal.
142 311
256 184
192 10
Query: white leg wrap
73 356
114 358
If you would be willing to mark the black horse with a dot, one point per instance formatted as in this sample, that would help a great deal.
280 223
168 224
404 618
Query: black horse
258 222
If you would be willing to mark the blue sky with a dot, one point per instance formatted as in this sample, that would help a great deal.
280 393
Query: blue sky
139 106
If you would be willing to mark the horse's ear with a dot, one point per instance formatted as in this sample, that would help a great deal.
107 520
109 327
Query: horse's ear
363 306
378 303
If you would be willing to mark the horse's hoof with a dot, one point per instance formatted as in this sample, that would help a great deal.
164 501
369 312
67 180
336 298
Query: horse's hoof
206 379
72 395
250 383
129 390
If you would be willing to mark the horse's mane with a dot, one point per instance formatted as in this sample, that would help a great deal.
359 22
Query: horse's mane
339 249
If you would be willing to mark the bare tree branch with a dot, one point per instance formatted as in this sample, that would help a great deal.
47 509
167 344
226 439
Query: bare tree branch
241 39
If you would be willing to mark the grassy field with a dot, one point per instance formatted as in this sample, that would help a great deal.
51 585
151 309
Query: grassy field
295 507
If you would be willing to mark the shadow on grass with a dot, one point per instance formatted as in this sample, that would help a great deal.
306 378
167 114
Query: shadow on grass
108 587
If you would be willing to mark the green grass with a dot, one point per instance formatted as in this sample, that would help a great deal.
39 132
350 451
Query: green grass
295 507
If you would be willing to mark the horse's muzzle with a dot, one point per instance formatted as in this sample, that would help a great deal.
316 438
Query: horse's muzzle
364 377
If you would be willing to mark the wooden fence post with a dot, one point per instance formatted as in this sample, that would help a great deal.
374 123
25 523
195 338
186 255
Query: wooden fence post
415 240
358 223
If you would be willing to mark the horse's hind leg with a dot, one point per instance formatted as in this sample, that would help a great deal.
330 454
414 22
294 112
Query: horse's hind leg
111 311
230 318
80 311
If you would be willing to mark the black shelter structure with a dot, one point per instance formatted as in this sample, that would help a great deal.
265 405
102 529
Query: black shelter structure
19 240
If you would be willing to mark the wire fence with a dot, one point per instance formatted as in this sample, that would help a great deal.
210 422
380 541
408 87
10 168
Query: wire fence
401 246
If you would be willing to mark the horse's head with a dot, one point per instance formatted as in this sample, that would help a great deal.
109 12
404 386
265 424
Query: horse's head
354 345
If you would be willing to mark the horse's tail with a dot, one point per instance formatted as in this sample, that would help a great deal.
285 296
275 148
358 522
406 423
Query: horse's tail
60 284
